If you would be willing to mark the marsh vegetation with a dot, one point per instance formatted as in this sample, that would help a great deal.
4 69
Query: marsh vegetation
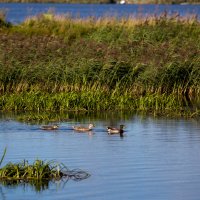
57 63
38 174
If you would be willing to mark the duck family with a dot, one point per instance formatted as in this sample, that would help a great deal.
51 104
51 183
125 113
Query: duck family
110 130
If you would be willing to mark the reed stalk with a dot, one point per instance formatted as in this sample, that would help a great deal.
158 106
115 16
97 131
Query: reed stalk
2 158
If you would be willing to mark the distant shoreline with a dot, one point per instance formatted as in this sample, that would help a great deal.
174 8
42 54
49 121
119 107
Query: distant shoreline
180 2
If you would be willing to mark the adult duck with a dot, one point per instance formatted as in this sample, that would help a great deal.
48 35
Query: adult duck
119 130
49 127
82 128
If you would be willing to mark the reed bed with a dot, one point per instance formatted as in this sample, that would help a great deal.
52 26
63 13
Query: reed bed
58 63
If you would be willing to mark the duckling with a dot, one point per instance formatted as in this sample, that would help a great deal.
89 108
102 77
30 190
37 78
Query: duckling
49 127
83 129
116 130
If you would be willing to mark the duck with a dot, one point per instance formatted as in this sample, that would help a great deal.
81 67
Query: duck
83 129
49 127
112 130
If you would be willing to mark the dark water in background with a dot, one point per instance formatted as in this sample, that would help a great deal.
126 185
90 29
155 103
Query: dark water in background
17 12
157 159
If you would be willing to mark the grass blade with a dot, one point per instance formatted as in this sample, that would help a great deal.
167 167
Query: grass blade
4 153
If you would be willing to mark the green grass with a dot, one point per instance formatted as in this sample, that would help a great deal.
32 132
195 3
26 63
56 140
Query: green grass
39 170
56 63
38 173
4 153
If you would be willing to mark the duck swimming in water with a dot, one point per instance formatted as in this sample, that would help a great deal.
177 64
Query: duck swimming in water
119 130
83 129
49 127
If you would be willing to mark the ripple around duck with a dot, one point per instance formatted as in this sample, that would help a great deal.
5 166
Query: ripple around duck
156 160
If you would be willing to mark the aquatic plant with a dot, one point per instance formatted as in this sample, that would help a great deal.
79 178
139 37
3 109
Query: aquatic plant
37 172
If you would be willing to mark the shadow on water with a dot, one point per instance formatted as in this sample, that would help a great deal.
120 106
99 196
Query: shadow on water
58 117
2 194
37 185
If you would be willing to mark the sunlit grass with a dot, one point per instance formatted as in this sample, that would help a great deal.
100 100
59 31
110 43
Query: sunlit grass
58 63
37 172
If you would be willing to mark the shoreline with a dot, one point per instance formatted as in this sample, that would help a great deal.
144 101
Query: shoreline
103 2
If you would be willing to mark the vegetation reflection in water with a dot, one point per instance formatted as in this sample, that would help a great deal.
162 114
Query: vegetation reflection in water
38 174
69 117
59 117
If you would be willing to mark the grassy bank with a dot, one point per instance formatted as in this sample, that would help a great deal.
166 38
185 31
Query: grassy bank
59 63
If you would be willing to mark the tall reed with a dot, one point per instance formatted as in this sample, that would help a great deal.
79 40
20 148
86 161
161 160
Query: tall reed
59 63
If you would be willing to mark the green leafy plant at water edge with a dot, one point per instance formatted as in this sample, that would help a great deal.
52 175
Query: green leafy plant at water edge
39 171
89 101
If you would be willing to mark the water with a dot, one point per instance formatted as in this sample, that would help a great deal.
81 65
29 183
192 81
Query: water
157 159
17 12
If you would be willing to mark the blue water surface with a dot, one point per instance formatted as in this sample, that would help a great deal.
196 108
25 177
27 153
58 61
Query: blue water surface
17 12
157 159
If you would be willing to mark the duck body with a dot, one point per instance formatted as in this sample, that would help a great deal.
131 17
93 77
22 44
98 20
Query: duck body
49 127
83 129
112 130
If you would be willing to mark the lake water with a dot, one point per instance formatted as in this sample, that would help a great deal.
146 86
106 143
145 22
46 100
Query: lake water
17 12
157 159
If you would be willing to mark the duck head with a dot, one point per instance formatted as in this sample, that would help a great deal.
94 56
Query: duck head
91 126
